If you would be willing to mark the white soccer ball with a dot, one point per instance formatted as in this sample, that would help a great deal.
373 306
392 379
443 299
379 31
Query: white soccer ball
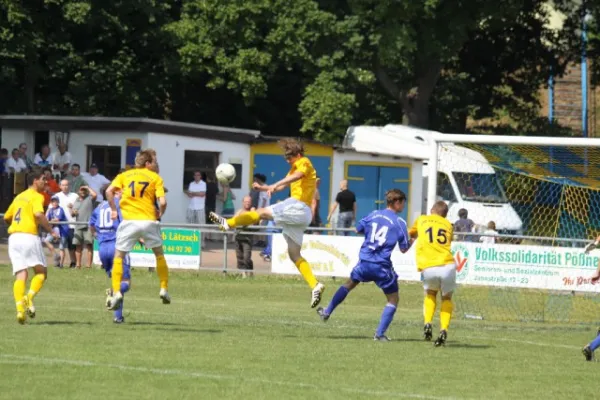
225 173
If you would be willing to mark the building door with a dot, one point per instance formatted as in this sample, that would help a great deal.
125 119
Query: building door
370 182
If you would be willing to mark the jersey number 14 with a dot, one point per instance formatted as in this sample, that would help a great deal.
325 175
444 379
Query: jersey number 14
379 236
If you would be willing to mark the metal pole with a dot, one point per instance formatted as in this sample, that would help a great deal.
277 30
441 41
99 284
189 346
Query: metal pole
584 79
551 97
432 179
224 252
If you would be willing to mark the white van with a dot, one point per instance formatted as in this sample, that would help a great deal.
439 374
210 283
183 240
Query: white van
465 178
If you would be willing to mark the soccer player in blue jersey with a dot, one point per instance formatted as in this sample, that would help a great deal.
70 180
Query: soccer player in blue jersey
105 231
383 229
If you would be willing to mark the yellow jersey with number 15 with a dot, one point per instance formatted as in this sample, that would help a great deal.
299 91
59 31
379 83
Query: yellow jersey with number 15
304 188
434 241
22 212
140 189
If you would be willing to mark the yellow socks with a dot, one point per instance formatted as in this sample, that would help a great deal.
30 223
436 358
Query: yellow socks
429 307
162 270
304 268
445 314
36 285
19 293
117 274
248 218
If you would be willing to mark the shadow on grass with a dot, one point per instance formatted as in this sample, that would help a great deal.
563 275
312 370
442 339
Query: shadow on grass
357 337
190 330
153 323
459 345
58 323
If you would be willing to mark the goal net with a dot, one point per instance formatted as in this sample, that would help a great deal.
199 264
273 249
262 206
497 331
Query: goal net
524 209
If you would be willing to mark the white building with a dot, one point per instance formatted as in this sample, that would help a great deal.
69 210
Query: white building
112 143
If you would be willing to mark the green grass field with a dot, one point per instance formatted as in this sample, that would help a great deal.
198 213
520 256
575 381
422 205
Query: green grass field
224 337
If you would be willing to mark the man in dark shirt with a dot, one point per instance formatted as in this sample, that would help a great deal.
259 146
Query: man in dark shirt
465 225
212 189
346 201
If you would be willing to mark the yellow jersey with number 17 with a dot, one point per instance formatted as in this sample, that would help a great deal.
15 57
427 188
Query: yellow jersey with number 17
140 189
304 188
22 212
434 241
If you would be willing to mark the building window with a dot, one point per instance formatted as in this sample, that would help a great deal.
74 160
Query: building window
202 161
107 158
40 139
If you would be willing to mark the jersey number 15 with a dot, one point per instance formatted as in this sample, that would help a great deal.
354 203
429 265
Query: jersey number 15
440 237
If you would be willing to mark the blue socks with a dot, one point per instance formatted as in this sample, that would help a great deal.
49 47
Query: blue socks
595 343
386 319
124 289
338 297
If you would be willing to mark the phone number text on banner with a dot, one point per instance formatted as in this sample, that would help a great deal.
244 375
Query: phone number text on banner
181 247
533 267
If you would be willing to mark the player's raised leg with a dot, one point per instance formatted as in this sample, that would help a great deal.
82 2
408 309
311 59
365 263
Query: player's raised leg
337 299
37 282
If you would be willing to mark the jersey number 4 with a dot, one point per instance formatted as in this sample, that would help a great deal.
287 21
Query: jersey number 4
17 216
440 237
144 185
380 235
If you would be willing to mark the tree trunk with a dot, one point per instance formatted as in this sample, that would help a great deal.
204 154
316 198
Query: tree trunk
417 112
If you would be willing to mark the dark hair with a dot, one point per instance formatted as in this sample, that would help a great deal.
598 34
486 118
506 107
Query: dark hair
260 177
76 165
14 150
4 151
203 176
440 208
463 213
34 176
47 169
394 195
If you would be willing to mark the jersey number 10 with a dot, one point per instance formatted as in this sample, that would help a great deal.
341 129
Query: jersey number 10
440 237
105 220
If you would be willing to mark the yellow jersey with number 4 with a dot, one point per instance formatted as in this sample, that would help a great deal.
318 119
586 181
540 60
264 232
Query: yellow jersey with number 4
304 188
22 212
434 241
140 189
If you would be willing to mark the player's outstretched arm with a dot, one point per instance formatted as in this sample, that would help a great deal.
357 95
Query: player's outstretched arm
110 197
162 206
287 181
8 215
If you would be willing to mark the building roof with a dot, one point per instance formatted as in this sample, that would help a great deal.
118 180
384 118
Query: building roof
65 123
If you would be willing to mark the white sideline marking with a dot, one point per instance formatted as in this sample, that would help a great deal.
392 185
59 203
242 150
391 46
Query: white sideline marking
564 346
29 360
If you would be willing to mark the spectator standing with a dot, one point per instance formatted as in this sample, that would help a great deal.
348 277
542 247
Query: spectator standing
260 199
243 242
15 164
82 210
346 201
52 187
43 158
96 181
3 159
316 203
61 160
227 197
212 191
196 213
75 179
55 213
23 155
66 200
491 230
464 225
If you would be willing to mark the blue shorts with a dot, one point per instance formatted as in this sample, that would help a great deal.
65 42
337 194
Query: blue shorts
106 251
384 277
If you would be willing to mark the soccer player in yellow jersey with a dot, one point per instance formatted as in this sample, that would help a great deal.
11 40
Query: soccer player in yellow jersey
436 264
25 250
294 214
141 187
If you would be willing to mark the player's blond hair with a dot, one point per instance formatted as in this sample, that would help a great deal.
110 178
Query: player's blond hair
394 195
144 156
291 147
440 208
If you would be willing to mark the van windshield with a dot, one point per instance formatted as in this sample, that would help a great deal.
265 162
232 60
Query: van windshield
481 188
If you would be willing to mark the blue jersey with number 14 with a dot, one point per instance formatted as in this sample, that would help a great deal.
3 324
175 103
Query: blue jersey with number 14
383 229
105 227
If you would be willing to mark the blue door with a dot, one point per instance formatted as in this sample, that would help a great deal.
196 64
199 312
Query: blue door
394 178
275 168
363 180
369 184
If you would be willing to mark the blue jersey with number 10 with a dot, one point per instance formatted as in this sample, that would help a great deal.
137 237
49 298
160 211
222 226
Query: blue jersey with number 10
383 229
105 226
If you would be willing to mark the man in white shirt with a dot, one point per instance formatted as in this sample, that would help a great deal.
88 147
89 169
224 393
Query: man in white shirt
197 194
66 200
96 181
15 164
61 160
43 158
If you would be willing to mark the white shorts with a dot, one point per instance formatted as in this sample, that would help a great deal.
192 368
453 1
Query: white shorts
293 216
130 232
440 278
25 251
